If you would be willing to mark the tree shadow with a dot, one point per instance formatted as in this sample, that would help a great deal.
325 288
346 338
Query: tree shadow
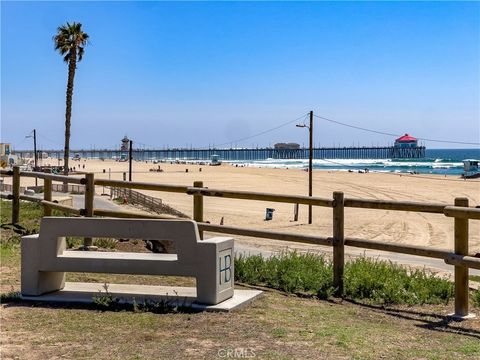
428 320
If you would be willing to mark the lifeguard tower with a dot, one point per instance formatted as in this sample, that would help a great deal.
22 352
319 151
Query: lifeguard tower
215 160
470 168
124 148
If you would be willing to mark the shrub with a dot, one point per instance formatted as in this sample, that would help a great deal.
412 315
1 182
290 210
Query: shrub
105 243
289 271
389 283
373 280
476 298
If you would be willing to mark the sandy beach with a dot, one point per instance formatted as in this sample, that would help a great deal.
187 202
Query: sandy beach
393 226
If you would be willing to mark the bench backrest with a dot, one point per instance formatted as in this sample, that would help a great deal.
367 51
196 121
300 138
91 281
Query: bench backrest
184 233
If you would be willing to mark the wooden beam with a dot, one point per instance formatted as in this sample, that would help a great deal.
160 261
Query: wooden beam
41 175
462 212
395 205
130 214
398 248
16 195
142 185
47 196
89 199
249 195
338 243
461 272
266 234
198 206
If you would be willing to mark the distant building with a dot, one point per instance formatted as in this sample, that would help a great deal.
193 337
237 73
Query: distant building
406 141
5 149
125 143
289 146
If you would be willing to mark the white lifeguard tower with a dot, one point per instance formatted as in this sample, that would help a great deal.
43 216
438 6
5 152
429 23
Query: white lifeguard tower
470 168
124 148
215 160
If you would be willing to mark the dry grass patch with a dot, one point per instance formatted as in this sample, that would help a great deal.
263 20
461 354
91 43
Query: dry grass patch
275 326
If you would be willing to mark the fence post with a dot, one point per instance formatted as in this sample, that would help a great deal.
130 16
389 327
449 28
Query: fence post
16 195
198 206
89 197
338 242
461 272
47 196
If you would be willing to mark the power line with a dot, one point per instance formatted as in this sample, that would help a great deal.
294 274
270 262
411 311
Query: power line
390 134
265 131
48 139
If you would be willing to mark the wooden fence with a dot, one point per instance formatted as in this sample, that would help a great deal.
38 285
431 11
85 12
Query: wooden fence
148 202
460 211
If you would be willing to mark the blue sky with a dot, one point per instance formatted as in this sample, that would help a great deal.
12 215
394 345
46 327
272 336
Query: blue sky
197 74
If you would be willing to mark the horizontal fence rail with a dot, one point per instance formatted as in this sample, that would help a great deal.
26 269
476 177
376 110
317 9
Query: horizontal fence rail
395 205
461 213
142 185
130 214
274 235
250 195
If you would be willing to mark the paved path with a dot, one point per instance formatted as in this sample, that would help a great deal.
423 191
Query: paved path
100 202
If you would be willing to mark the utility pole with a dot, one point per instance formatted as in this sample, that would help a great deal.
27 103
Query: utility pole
34 152
130 161
35 148
310 167
310 162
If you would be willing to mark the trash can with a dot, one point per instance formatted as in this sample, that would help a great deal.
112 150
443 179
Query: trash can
269 214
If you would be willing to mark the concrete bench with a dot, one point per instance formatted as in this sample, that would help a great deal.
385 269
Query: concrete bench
45 258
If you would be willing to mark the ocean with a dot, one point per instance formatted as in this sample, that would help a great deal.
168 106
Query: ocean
436 161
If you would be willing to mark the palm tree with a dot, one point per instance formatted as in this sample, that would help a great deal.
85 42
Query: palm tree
70 42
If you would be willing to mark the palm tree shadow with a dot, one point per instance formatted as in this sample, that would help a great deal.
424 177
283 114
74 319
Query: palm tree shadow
428 320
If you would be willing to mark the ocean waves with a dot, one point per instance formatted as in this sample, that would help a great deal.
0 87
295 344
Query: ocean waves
421 166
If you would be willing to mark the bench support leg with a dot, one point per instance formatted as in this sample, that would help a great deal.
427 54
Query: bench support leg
36 282
216 263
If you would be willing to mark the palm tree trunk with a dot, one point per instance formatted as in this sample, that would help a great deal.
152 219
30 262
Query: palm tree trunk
68 112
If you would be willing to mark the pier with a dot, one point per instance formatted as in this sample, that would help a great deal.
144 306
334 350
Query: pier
388 152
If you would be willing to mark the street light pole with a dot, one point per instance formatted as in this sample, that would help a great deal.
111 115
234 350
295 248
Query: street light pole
35 147
130 158
310 167
310 162
34 152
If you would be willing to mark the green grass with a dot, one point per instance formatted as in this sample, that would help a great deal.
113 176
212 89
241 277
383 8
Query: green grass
474 278
476 298
379 282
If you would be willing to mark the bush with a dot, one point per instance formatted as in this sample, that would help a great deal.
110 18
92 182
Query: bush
376 281
476 298
389 283
290 272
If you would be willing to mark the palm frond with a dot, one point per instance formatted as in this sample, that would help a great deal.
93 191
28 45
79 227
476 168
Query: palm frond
70 36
